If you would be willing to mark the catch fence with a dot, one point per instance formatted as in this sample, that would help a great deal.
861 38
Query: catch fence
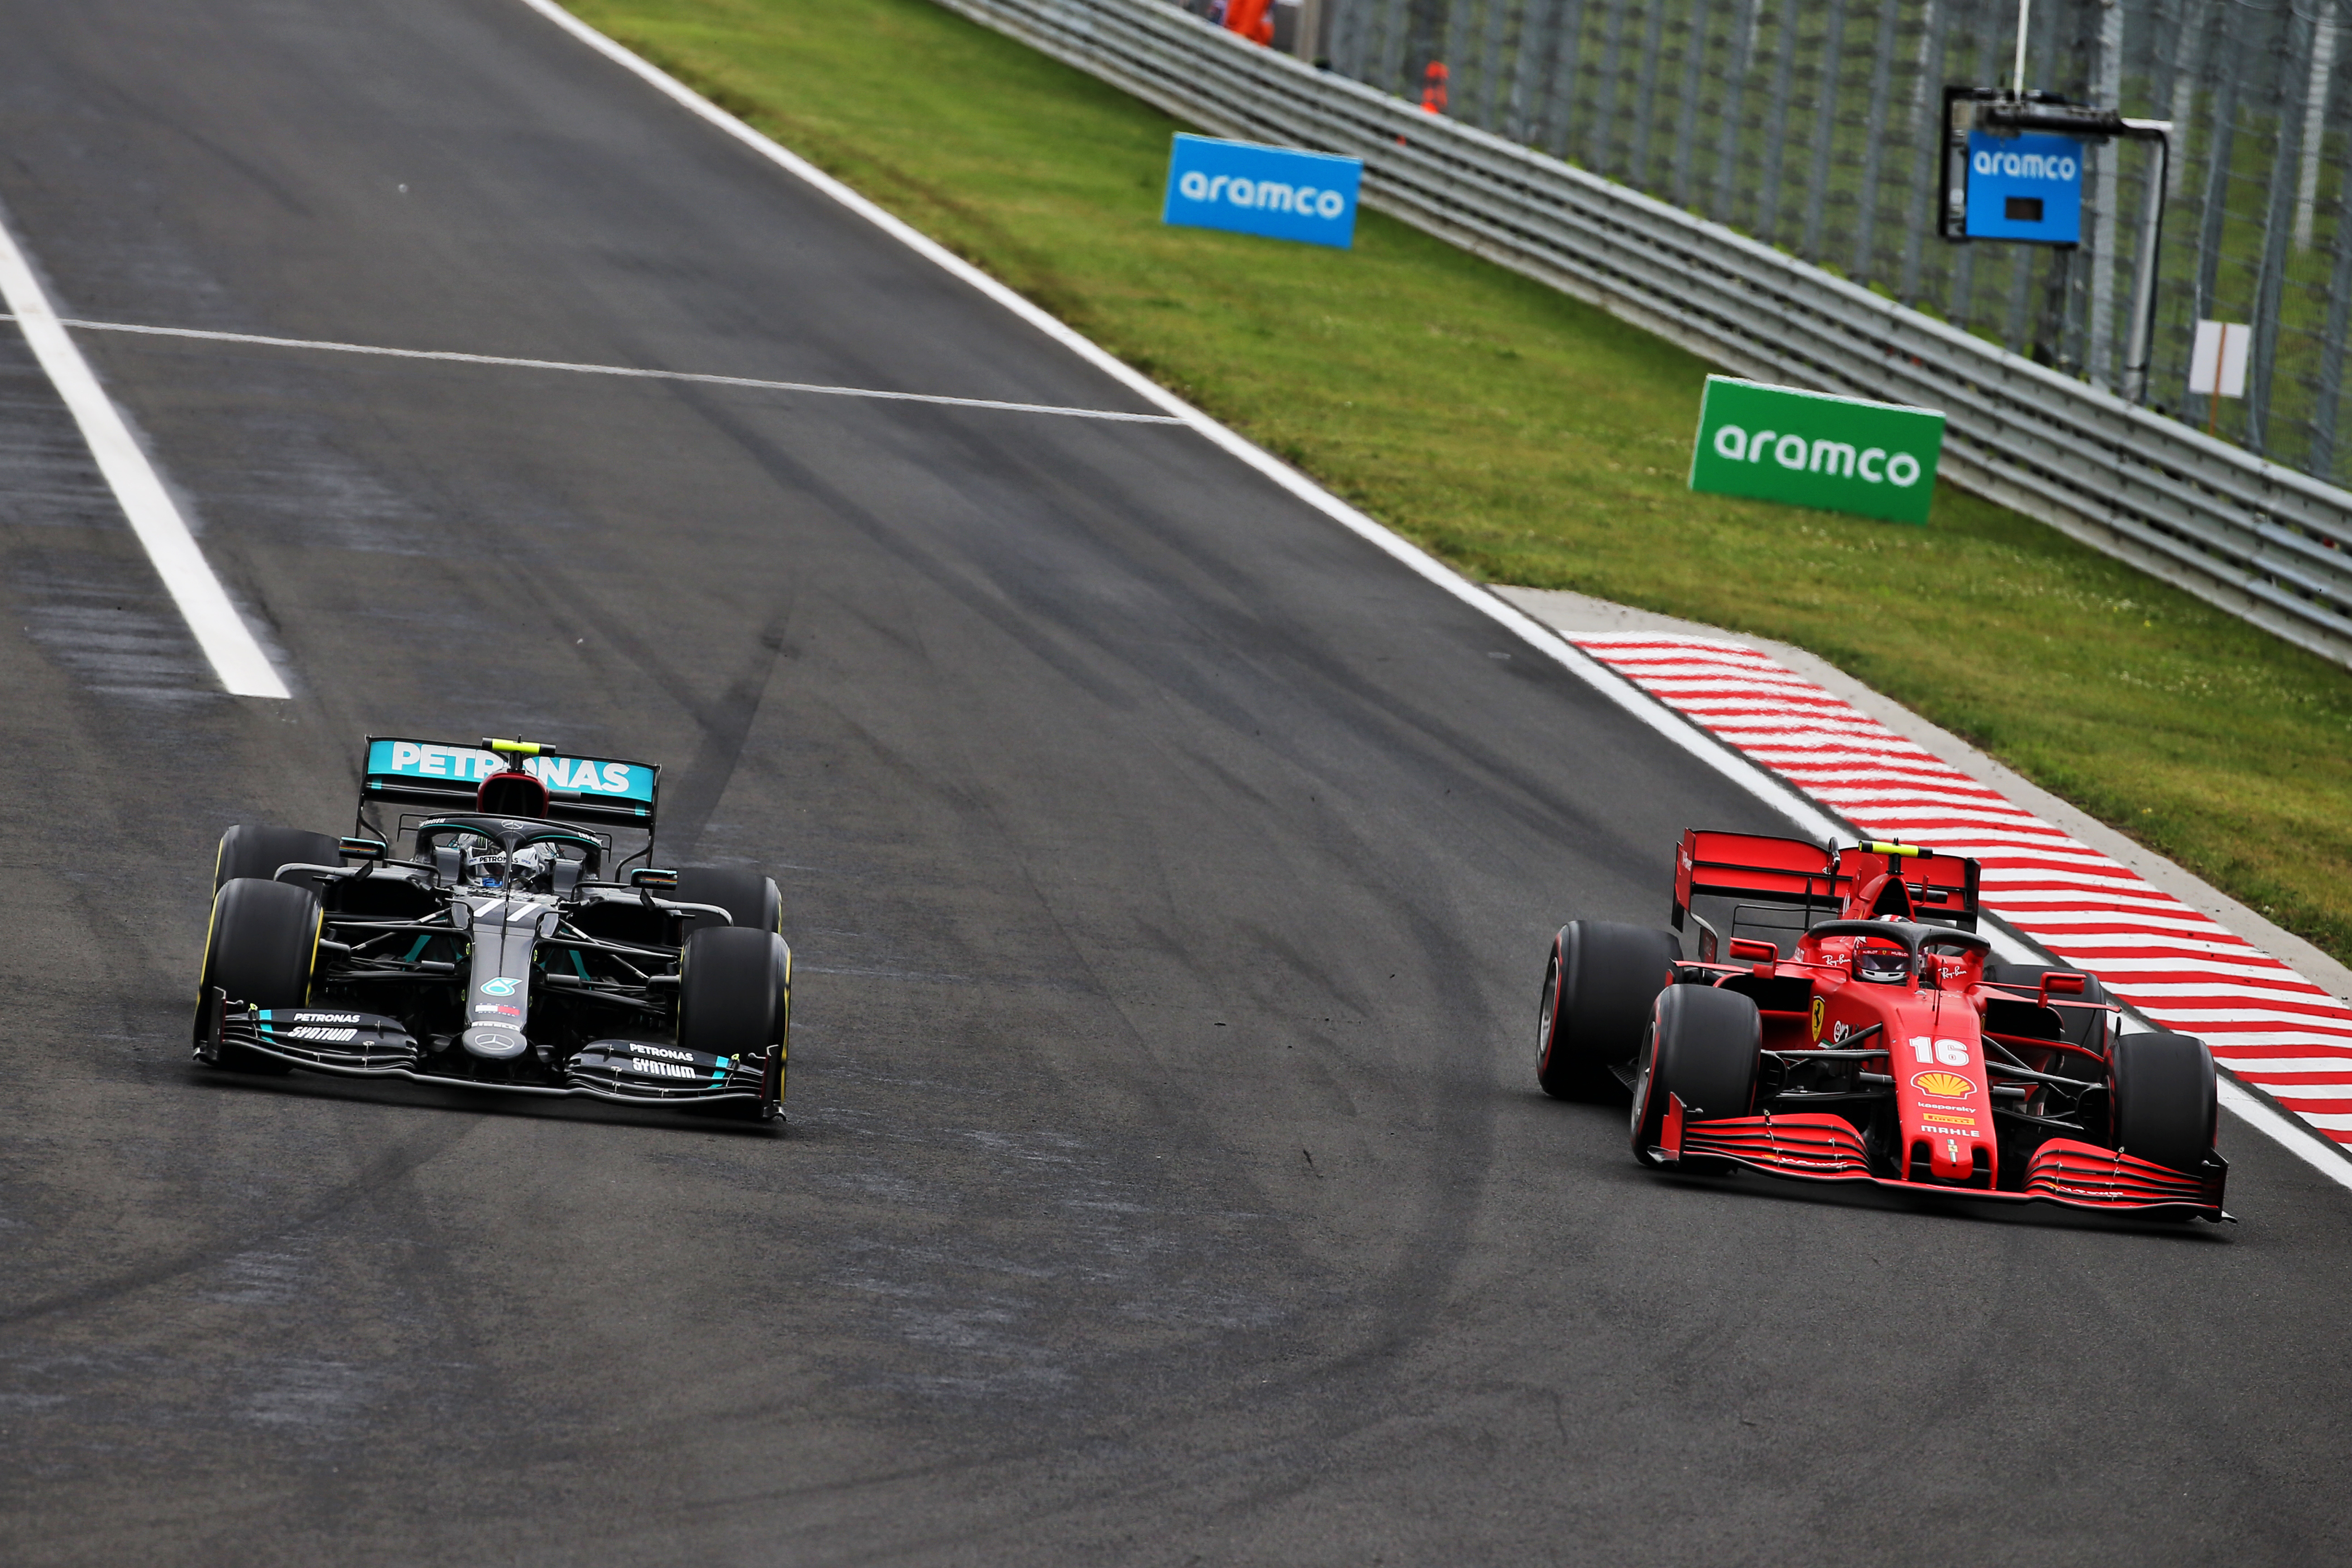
1843 287
1811 125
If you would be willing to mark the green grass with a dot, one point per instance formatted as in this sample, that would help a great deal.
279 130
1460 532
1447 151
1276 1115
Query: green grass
1530 439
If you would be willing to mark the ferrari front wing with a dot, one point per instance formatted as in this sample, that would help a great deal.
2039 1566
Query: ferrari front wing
1816 1146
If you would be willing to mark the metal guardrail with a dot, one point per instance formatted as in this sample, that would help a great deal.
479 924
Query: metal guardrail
2261 541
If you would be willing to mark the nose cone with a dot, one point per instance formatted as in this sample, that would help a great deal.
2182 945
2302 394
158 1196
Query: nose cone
1951 1160
494 1042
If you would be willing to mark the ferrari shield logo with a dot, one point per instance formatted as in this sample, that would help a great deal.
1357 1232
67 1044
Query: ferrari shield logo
1818 1009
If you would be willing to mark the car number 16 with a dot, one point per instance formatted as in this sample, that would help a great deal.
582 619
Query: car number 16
1949 1053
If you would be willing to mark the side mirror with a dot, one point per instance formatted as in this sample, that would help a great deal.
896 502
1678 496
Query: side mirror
1750 950
653 876
364 848
2060 985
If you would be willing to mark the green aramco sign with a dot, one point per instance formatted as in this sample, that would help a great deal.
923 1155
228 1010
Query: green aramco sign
1809 448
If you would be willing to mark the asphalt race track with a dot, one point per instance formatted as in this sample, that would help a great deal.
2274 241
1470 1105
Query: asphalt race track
1169 873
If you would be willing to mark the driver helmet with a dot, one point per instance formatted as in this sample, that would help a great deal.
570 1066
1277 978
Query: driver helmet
486 866
533 869
1887 965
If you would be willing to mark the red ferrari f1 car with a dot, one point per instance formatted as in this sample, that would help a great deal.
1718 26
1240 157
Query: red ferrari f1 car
1841 1023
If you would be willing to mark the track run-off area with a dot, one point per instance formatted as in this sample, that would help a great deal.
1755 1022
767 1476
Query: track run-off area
1168 863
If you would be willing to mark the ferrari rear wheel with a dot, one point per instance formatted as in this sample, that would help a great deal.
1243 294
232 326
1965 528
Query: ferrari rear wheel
2166 1104
1704 1049
261 950
1599 988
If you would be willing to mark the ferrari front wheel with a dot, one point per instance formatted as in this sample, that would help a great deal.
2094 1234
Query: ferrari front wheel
1703 1048
2164 1103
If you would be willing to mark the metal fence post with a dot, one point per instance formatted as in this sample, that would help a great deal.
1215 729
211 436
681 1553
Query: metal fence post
2330 401
1776 135
1604 111
1686 107
2188 38
1559 78
2218 147
1384 50
1460 21
2146 255
1519 115
1371 29
1372 38
2020 279
1926 105
1637 162
1875 138
2270 288
1817 176
1964 266
2106 90
2314 125
1490 67
1742 53
1346 24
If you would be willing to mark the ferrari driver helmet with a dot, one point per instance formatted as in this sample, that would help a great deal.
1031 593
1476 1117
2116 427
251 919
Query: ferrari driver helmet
1887 965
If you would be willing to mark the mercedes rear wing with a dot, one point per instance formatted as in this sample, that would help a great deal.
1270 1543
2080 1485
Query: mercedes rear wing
443 776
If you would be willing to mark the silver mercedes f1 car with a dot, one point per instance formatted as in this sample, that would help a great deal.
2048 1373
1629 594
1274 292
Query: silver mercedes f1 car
514 947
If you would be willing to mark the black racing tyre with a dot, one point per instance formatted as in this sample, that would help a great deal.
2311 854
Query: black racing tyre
1704 1047
1598 990
260 949
734 1000
250 851
2166 1106
751 899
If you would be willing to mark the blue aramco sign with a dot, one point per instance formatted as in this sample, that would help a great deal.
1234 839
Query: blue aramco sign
1271 191
2025 187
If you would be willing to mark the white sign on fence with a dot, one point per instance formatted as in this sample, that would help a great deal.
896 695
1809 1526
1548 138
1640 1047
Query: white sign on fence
2218 363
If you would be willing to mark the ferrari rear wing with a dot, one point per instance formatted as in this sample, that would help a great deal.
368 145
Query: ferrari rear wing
1856 882
444 775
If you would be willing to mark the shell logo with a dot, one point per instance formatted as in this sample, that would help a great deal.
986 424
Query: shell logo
1950 1084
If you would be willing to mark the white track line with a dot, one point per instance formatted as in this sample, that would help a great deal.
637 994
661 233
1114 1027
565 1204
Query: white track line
237 658
2302 1142
1738 769
1718 757
632 372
